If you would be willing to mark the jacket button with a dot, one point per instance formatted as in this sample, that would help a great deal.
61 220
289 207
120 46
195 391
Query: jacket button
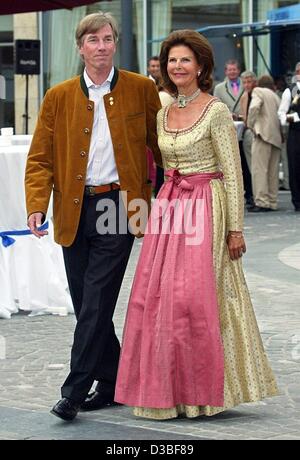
82 153
76 201
86 130
79 177
90 107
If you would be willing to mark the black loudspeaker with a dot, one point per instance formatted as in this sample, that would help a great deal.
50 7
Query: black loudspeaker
27 54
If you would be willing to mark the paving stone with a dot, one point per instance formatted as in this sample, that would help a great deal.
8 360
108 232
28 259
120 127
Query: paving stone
38 352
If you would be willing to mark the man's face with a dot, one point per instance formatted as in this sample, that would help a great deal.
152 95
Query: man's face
232 71
249 84
297 73
154 68
98 49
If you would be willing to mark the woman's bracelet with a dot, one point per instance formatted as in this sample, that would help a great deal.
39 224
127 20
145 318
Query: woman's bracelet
236 234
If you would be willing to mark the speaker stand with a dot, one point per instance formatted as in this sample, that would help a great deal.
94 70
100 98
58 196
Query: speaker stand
26 115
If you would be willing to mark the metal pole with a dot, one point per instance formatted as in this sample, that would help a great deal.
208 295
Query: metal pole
145 36
127 34
41 76
251 57
26 104
2 87
149 30
262 56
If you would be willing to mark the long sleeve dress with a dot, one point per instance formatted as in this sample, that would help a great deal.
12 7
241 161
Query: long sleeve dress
191 343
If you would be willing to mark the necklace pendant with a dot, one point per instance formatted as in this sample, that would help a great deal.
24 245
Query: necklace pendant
181 102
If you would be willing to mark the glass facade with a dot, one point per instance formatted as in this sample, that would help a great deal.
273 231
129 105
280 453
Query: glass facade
152 21
149 23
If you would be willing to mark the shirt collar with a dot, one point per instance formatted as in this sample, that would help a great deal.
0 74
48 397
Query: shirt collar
89 83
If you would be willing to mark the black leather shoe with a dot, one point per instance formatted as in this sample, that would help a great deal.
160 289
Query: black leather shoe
258 209
249 203
66 409
97 400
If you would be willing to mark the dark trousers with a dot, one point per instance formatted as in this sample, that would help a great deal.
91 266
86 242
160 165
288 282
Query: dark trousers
293 152
95 266
246 175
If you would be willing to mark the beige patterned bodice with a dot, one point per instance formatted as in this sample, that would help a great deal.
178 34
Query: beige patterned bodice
209 145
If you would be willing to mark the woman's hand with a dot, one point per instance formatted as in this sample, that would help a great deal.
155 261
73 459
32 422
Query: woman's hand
236 245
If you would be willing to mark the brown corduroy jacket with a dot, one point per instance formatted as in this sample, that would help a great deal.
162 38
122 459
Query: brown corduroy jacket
58 156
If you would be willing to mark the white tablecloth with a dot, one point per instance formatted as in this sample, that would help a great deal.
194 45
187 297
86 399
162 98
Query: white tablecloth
32 274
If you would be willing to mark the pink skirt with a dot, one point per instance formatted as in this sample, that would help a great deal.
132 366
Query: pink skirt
172 350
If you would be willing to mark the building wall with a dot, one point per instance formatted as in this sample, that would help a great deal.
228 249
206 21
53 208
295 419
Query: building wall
165 15
7 71
26 27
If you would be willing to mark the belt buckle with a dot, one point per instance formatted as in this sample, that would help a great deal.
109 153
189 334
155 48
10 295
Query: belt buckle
91 190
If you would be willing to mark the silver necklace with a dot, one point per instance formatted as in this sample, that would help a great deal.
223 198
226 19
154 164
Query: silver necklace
183 100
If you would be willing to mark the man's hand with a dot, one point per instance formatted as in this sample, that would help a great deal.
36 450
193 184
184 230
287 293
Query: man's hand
34 222
237 117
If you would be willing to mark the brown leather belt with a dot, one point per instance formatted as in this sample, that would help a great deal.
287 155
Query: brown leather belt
90 190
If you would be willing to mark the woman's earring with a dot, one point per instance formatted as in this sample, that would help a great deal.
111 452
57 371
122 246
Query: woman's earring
198 73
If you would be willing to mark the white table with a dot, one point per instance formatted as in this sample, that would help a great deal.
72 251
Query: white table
32 274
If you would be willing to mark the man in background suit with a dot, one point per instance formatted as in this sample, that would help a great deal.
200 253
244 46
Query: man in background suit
230 91
266 146
289 114
249 80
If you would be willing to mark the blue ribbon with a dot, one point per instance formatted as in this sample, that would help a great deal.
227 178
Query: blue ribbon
8 241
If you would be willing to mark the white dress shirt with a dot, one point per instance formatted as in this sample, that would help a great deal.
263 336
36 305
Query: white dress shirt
285 107
101 167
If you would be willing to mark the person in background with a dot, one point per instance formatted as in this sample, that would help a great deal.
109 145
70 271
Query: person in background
281 86
289 114
231 89
191 344
153 69
165 98
266 146
249 80
154 172
87 148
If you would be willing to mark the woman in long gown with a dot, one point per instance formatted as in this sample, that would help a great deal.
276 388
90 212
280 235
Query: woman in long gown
191 343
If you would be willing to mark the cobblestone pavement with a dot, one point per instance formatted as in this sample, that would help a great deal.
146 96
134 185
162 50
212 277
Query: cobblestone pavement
34 354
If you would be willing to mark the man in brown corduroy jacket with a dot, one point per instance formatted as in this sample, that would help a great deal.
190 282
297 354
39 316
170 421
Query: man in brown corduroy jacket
89 149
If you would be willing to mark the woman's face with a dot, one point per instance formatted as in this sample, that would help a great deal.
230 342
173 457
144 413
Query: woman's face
183 67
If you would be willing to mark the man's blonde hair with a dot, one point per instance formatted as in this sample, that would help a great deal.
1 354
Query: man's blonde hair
93 22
